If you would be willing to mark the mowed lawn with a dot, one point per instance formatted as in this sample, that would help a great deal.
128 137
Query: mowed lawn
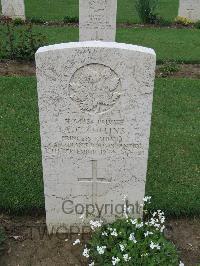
173 174
181 45
57 10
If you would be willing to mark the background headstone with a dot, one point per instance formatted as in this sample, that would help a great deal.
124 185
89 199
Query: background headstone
95 104
189 9
97 20
13 8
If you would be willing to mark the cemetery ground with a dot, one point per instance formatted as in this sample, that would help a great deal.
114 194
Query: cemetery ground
173 164
126 10
179 45
172 174
29 244
173 167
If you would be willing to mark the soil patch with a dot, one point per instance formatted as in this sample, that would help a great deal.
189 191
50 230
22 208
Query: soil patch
16 68
75 24
29 244
185 71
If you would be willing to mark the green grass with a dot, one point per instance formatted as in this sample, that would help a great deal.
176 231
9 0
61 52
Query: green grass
21 184
181 45
173 175
57 10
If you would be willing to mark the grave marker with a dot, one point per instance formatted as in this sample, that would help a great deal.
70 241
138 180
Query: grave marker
13 8
95 104
97 20
189 9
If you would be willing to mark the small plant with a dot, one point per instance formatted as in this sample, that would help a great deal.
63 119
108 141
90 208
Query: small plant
183 21
197 24
132 242
67 19
163 22
2 238
146 10
36 20
20 44
18 21
168 68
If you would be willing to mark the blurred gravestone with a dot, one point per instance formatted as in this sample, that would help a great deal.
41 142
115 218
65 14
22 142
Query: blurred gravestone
189 9
13 8
97 20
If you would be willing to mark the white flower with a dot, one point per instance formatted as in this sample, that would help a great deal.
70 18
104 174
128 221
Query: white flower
129 209
154 246
132 238
86 252
181 263
115 260
101 250
134 221
162 220
154 214
162 228
114 233
95 224
152 221
147 199
104 233
122 247
77 241
139 225
148 233
91 264
157 225
126 257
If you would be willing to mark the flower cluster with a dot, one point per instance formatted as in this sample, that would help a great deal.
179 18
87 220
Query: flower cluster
95 224
183 21
130 241
86 252
101 250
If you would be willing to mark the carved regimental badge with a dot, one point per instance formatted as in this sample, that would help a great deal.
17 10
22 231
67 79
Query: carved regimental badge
95 88
98 4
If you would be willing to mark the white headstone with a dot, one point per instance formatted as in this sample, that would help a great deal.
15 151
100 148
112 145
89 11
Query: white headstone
13 8
95 104
97 20
189 9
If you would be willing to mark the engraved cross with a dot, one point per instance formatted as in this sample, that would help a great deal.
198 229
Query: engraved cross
94 178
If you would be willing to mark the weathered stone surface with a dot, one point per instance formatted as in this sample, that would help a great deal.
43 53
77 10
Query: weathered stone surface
97 20
189 9
95 103
13 8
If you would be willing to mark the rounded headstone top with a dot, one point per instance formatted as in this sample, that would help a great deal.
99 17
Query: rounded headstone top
96 44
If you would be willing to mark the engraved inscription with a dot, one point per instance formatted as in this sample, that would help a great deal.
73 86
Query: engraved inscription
97 20
190 10
95 88
97 16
